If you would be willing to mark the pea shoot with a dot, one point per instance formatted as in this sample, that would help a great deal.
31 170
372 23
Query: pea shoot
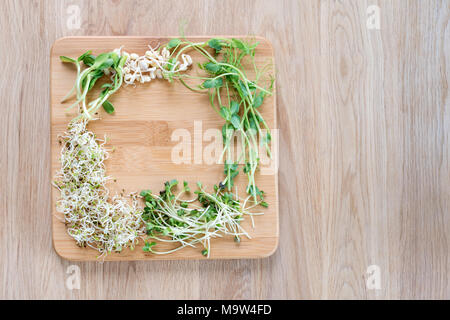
243 97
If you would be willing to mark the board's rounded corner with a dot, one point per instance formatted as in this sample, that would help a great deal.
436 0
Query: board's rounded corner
272 250
60 253
58 42
267 41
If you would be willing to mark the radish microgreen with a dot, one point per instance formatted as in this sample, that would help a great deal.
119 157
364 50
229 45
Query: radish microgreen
170 218
86 79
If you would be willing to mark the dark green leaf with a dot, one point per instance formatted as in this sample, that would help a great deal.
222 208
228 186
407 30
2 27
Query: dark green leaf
95 76
234 107
122 61
259 100
241 45
184 204
252 124
67 59
106 85
145 192
232 77
213 83
173 43
236 121
173 183
100 59
109 108
115 58
212 67
89 60
215 44
226 131
243 88
148 246
87 53
225 113
106 64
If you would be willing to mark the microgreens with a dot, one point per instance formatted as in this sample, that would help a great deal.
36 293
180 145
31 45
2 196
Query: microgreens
97 67
171 219
243 98
93 218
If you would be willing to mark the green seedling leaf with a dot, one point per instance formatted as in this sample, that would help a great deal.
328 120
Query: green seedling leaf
213 83
106 86
243 88
97 74
106 64
115 59
236 121
184 204
122 61
89 60
231 171
254 191
215 44
173 43
252 124
212 67
241 45
227 131
87 53
109 108
259 100
173 183
225 113
234 107
186 186
148 246
145 193
67 59
100 59
247 167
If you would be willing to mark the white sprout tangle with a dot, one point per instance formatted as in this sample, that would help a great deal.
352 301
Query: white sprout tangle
152 65
92 218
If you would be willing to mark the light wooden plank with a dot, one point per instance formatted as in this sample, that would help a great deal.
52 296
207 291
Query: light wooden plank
365 168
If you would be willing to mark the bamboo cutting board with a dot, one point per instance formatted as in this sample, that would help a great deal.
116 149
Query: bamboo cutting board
142 130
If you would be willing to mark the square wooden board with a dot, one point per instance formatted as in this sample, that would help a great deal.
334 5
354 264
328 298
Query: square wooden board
140 130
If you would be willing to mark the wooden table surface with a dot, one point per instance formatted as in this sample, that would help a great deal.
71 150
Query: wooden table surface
364 174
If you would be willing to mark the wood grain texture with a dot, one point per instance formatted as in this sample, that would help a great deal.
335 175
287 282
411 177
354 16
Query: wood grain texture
365 168
142 129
